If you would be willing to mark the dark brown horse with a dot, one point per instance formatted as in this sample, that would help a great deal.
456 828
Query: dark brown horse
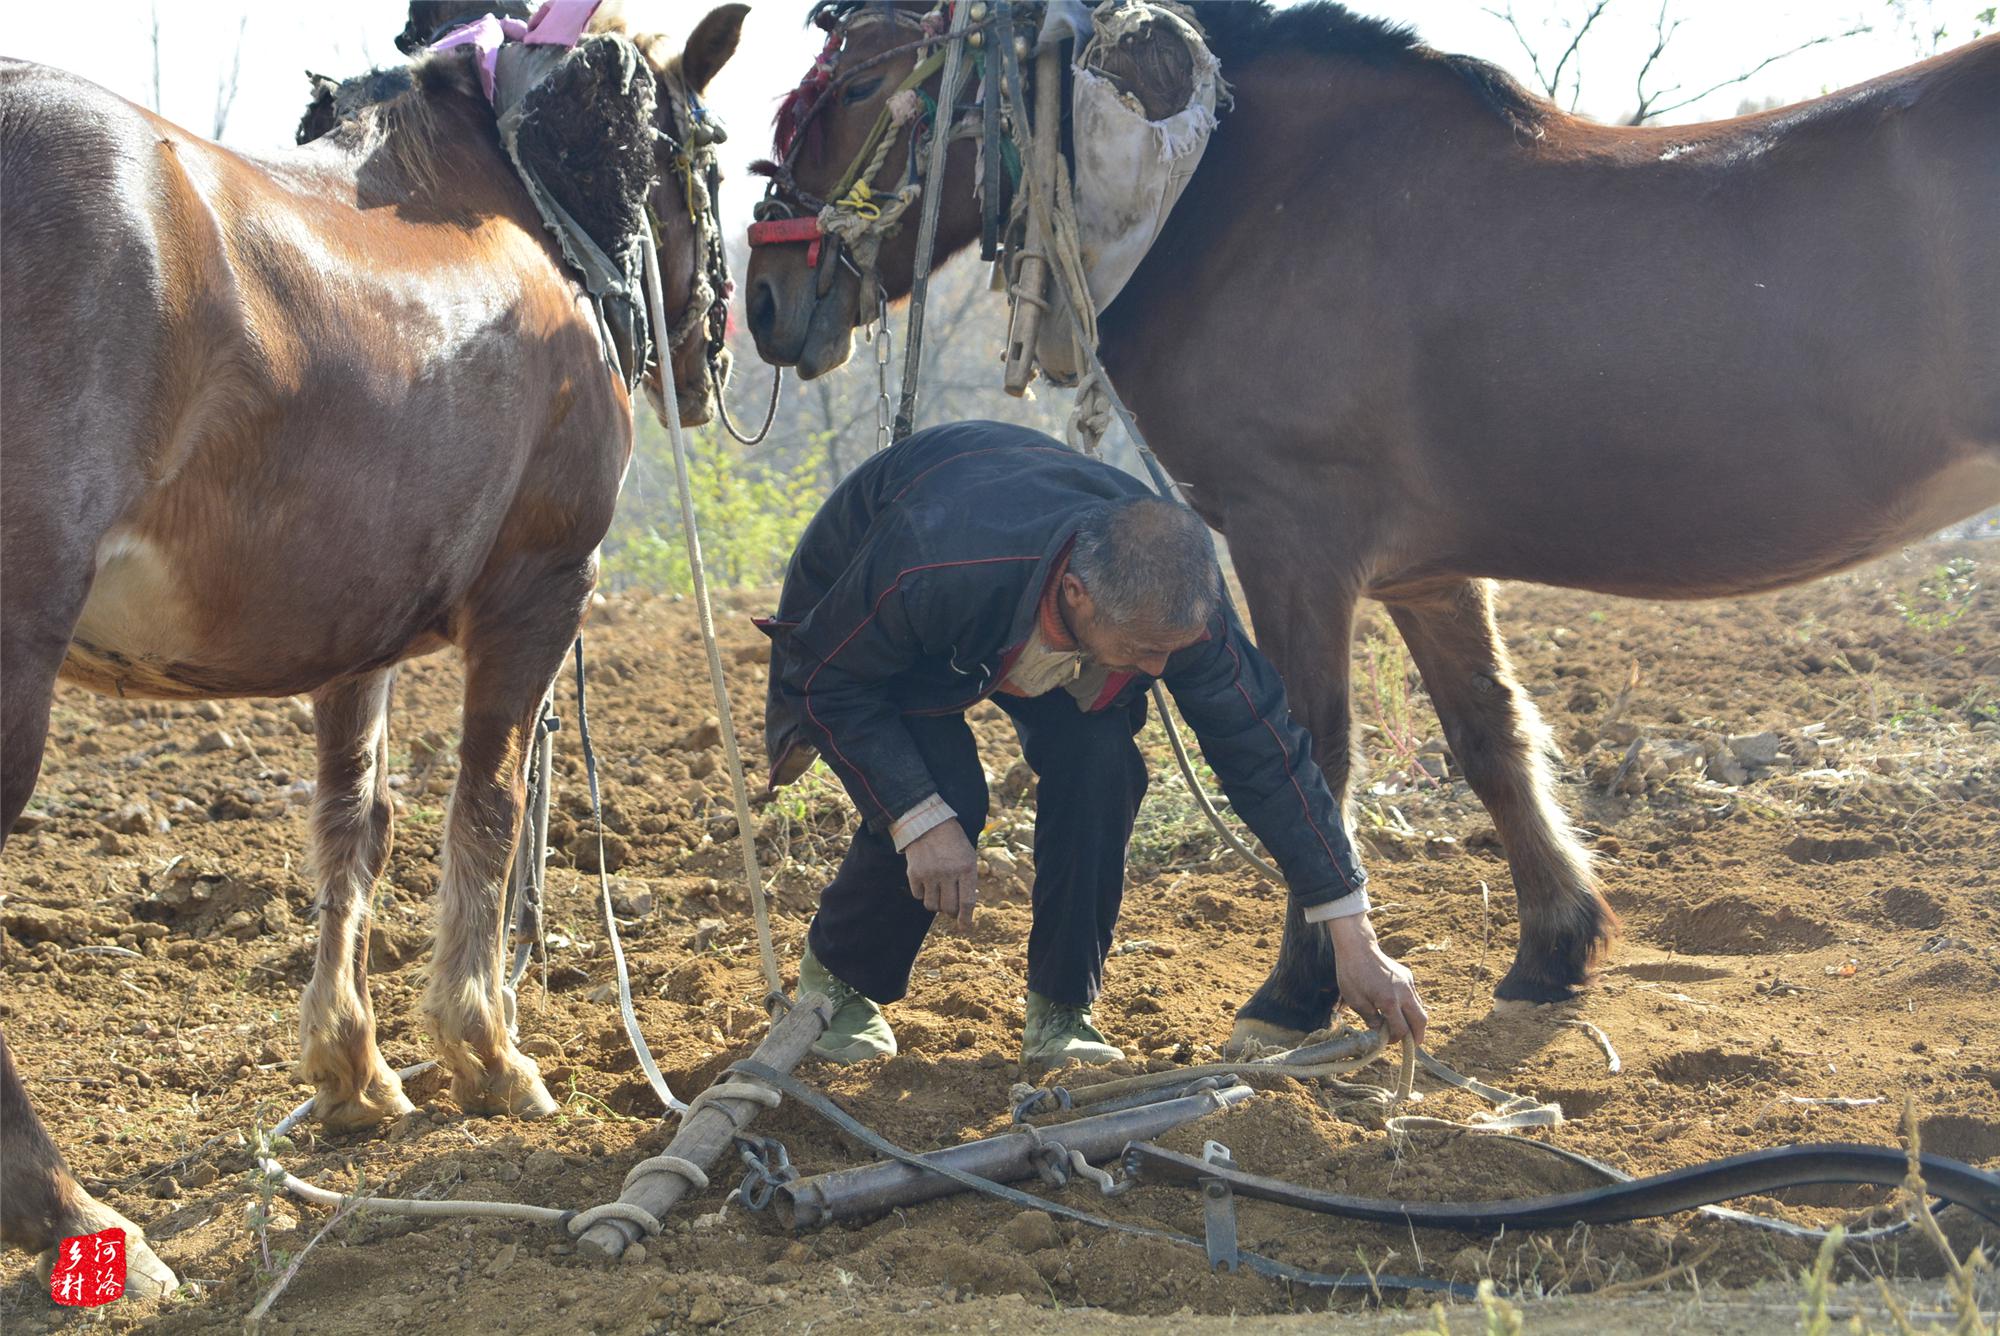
1411 330
274 426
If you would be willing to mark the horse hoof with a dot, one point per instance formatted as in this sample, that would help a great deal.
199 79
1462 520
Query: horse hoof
508 1090
1525 986
1252 1037
375 1105
146 1276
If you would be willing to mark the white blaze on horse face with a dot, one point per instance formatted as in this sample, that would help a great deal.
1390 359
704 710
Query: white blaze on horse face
138 611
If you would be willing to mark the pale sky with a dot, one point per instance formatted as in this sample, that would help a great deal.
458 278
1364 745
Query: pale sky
110 41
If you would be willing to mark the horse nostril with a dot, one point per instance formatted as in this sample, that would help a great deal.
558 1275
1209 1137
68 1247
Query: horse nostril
763 309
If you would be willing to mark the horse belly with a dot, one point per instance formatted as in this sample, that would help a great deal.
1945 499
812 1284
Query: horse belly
1738 543
143 632
136 635
1957 492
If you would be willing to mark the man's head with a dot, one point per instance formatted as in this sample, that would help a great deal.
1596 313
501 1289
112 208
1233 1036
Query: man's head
1141 583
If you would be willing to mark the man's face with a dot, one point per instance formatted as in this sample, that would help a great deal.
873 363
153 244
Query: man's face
1122 649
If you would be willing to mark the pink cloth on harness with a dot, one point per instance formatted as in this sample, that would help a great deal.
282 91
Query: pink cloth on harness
556 23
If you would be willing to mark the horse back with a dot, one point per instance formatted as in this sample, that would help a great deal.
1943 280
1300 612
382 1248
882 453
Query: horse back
311 405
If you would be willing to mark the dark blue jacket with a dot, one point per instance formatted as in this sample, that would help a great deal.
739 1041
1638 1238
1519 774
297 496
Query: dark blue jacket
917 583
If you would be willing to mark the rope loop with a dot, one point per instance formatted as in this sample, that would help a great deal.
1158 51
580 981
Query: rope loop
754 1091
638 1217
696 1176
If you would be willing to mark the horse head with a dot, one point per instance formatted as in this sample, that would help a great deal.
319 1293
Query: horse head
806 292
685 205
646 148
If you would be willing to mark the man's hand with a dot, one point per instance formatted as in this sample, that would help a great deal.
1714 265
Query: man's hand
944 873
1378 989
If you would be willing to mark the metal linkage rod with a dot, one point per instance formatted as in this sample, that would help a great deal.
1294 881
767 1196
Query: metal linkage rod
856 1194
913 342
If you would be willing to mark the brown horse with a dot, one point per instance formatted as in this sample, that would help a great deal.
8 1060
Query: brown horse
1411 330
274 426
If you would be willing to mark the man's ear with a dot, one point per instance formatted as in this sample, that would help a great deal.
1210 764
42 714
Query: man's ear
1077 598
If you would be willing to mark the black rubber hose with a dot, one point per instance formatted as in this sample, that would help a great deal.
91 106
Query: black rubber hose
1686 1189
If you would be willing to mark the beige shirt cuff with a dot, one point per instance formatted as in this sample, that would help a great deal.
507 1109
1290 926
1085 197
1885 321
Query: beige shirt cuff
1346 906
925 817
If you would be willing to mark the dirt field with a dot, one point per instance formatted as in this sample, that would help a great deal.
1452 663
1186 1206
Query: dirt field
1813 911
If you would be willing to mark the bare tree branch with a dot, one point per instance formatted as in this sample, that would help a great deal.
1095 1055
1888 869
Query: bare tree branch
1576 87
156 57
225 85
1646 112
1663 33
1551 80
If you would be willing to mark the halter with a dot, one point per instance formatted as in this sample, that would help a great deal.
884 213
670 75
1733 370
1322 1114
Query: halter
860 213
697 169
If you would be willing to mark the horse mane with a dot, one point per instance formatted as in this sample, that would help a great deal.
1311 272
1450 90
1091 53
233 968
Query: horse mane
1239 31
393 111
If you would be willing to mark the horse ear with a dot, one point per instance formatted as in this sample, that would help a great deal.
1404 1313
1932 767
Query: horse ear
319 116
711 45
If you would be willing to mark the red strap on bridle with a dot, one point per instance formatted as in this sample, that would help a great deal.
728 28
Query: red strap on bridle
785 231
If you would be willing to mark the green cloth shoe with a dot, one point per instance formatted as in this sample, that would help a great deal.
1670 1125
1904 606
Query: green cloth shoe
1057 1033
858 1030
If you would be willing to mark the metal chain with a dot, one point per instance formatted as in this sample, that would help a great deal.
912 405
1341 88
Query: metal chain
884 341
768 1167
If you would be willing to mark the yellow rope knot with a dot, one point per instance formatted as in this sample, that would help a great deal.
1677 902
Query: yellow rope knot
861 202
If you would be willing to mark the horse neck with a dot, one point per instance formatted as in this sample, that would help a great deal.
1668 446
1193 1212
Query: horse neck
1306 134
441 155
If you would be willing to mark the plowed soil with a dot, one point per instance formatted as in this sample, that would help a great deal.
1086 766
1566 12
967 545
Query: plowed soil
1812 912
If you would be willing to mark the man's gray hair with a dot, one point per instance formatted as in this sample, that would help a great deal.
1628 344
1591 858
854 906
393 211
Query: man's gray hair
1147 563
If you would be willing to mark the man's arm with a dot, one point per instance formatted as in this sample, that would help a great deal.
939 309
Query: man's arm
1235 702
888 610
861 635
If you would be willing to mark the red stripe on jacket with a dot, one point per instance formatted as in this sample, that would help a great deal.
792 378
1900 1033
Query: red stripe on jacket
894 585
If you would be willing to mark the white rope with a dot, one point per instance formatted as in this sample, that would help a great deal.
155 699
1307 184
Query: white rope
1512 1113
318 1196
746 829
756 1093
645 1221
1603 1041
667 1164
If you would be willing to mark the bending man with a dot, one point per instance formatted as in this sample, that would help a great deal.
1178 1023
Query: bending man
979 560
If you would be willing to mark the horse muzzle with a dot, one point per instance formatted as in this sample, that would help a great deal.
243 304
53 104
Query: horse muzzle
793 323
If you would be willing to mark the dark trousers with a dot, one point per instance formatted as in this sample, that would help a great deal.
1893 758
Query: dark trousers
1090 778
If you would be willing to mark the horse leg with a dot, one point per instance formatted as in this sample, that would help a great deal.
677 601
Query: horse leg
41 1203
351 823
1305 628
1499 740
511 655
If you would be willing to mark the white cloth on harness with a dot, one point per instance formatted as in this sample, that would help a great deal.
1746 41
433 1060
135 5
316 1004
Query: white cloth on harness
1130 169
